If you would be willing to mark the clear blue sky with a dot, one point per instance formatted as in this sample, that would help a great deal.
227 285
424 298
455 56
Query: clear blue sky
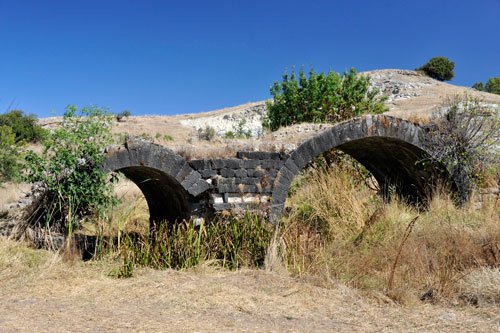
173 57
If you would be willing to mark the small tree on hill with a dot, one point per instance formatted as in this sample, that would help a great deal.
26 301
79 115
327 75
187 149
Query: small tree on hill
478 86
25 127
493 85
439 68
124 114
320 98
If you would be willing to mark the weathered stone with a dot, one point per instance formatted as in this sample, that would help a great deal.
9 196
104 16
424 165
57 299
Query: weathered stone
207 173
232 163
240 173
201 164
226 172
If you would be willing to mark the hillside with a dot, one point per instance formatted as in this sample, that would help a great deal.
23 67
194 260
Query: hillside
410 95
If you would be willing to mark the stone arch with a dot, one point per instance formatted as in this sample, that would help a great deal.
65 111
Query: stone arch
166 179
388 147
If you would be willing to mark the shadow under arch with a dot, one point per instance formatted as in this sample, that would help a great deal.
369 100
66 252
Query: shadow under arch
166 179
390 148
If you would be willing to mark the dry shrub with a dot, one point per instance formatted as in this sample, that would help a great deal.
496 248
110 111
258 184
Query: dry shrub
481 287
337 229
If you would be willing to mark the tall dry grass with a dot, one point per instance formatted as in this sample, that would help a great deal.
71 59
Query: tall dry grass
339 229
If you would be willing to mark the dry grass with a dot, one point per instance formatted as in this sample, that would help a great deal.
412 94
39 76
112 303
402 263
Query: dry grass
337 229
40 292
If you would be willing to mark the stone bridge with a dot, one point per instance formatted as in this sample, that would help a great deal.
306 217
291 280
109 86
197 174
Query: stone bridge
176 189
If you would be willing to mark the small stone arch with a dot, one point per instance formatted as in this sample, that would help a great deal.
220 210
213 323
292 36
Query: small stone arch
390 148
166 179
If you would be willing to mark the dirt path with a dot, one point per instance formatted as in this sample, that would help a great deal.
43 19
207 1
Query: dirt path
39 292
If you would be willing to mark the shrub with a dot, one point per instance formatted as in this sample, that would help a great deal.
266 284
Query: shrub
124 114
229 135
207 133
493 85
466 142
68 170
439 68
25 127
168 137
320 98
478 86
9 155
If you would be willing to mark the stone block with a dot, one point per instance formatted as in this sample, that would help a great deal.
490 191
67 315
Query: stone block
233 163
201 164
207 173
240 173
218 163
247 164
226 172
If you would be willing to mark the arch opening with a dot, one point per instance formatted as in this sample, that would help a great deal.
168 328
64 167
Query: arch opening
390 148
167 199
396 165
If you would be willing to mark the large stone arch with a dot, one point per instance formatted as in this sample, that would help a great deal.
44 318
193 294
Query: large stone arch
166 179
388 147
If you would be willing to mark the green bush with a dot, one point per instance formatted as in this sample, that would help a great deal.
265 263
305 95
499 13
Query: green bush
478 86
68 170
124 114
25 127
9 155
493 85
320 98
439 68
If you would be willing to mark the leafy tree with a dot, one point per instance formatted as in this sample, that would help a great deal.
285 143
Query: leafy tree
25 127
9 154
68 170
123 114
478 86
320 98
493 85
439 68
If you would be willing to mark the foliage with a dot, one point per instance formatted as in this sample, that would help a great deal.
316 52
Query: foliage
25 127
207 133
493 85
68 170
232 243
465 141
124 114
167 137
478 86
439 68
320 98
9 155
229 135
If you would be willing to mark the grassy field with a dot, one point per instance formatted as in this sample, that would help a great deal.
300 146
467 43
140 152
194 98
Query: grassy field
342 260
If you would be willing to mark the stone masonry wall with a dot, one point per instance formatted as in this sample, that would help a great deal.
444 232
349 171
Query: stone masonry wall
241 183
